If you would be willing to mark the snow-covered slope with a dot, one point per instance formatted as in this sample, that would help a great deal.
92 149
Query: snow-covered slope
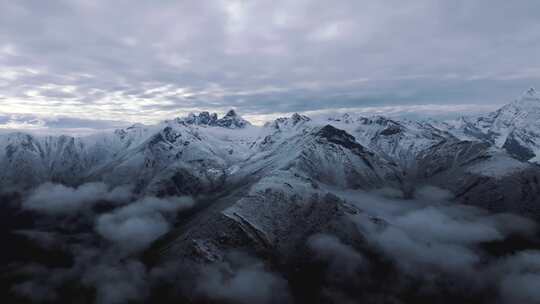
279 194
324 153
134 155
483 175
515 127
27 160
396 140
288 188
179 158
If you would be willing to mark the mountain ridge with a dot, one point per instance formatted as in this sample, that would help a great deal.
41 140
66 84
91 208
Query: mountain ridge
202 153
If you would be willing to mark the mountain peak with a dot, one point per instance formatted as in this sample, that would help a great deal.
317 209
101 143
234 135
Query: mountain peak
531 92
231 113
530 98
203 118
339 137
230 120
529 101
296 118
288 122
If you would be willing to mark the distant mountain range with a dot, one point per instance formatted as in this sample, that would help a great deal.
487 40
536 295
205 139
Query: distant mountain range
202 153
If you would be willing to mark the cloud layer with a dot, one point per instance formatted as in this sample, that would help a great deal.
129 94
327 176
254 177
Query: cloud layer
435 243
57 199
146 61
391 248
138 224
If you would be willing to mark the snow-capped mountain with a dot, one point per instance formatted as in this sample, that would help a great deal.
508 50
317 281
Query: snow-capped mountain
138 155
515 127
399 141
230 120
179 158
205 154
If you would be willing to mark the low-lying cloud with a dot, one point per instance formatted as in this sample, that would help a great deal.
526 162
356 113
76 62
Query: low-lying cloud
433 239
344 261
105 258
420 237
242 279
135 226
58 199
118 282
391 247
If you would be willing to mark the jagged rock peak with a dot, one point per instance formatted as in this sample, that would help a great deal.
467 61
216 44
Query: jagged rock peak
231 120
204 118
530 99
345 118
296 118
231 113
288 122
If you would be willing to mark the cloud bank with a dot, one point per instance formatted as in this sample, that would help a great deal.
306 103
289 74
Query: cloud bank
441 247
138 224
57 199
99 233
391 249
145 61
242 279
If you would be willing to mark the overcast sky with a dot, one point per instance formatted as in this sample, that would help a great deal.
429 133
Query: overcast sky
67 64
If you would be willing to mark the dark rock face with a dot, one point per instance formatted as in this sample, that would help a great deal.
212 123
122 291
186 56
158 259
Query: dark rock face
449 166
514 148
231 120
204 118
518 192
390 131
449 156
296 118
339 137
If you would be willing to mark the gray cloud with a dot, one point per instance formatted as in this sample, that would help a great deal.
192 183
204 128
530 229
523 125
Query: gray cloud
432 234
118 283
45 239
519 277
344 261
42 287
43 124
115 280
435 247
145 61
57 199
111 268
432 242
242 279
135 226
